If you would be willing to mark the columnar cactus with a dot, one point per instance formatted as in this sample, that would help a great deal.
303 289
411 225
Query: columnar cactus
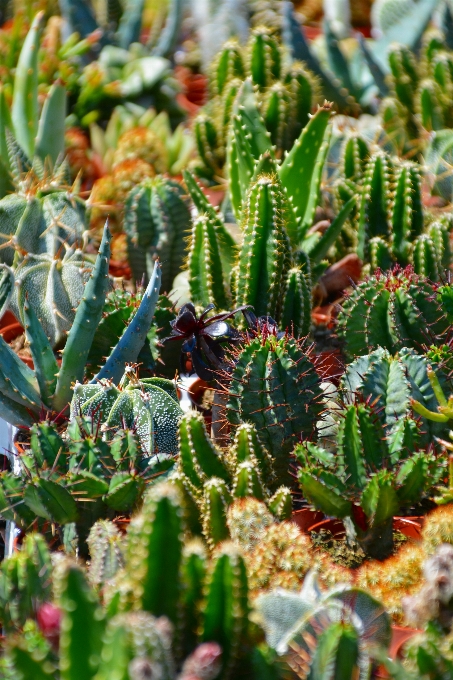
157 218
206 276
265 255
106 552
394 310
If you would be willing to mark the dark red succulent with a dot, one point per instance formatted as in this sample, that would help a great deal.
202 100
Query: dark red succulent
203 337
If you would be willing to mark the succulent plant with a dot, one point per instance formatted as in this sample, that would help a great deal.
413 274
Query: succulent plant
210 479
368 478
150 405
320 633
437 528
273 385
394 309
390 383
157 219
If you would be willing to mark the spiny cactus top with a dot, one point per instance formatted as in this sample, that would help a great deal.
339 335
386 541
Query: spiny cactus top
393 310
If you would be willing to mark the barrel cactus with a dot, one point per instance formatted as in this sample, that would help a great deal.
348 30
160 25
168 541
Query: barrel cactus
393 310
149 405
157 219
273 384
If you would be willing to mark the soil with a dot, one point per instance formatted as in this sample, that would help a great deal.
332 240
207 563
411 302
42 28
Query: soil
343 554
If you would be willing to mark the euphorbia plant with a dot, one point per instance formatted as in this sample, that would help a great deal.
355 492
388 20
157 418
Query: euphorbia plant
369 479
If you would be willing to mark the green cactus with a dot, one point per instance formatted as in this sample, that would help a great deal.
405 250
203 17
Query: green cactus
296 311
367 480
274 386
214 506
26 582
390 383
206 277
394 310
106 552
265 255
157 218
150 405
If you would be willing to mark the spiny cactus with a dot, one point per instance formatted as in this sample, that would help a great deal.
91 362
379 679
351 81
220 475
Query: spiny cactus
150 405
157 218
437 528
265 255
74 481
248 519
206 276
211 479
286 96
367 479
281 557
106 552
390 383
26 582
274 385
393 310
389 580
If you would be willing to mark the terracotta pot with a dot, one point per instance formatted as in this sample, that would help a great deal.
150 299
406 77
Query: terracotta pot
409 526
325 315
335 526
12 331
329 365
7 319
214 196
400 635
306 518
338 277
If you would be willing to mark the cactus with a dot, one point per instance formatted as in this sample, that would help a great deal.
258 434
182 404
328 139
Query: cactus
157 218
389 580
437 528
265 248
25 582
274 386
214 506
206 277
150 405
393 310
368 480
390 383
248 519
104 542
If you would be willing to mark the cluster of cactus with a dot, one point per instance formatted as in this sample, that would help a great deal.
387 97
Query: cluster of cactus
391 226
74 479
286 98
26 393
394 309
369 477
210 479
275 206
165 599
